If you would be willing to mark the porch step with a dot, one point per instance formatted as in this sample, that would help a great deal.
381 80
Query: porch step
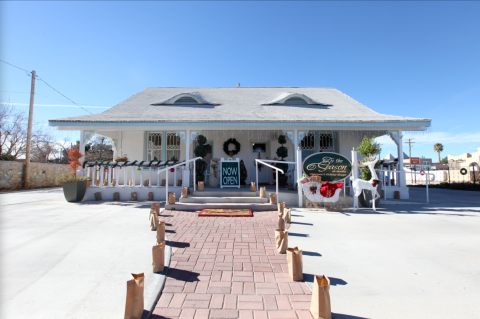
200 206
223 199
221 193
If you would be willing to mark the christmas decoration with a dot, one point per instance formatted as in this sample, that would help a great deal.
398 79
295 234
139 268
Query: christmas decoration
200 151
359 184
227 144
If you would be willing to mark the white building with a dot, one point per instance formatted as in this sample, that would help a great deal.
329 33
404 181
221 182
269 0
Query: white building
162 123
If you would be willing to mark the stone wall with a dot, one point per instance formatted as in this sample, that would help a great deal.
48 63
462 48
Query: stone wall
41 174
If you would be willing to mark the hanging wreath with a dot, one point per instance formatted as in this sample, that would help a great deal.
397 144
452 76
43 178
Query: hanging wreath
234 142
463 171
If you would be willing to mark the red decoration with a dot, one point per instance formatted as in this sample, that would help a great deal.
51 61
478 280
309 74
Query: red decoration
172 170
328 189
313 189
375 182
74 155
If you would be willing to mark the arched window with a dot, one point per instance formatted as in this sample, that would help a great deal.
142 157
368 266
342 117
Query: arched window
295 101
186 100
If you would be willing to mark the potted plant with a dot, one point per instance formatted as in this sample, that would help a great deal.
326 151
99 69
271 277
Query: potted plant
74 187
200 164
368 147
282 152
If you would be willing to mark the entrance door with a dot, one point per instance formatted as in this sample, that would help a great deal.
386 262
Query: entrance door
259 151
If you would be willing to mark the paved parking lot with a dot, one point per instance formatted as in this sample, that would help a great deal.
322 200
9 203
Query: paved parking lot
62 260
411 261
70 260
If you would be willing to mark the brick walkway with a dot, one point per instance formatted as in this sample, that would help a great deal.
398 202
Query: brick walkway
228 267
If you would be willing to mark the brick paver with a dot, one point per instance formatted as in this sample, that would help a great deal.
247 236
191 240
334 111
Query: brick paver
228 267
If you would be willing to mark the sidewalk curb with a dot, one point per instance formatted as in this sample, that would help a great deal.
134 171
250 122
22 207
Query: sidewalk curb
159 282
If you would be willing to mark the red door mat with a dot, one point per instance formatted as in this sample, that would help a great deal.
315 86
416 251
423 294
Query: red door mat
226 213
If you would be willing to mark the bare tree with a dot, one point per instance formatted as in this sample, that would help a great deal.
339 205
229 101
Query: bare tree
100 149
13 127
13 136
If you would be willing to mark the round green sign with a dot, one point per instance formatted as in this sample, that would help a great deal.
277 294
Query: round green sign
331 167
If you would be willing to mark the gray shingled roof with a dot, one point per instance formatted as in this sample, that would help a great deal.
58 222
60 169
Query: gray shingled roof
238 104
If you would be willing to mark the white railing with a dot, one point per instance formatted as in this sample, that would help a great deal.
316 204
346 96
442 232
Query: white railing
427 175
263 162
96 171
174 167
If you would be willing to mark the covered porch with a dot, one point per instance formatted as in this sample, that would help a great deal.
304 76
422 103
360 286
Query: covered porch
173 145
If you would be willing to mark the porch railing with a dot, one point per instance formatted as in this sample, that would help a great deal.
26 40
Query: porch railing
263 162
109 170
384 175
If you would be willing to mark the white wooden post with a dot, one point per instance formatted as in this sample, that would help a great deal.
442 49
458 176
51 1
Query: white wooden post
102 173
141 176
166 189
354 162
116 176
150 176
186 171
109 176
158 177
299 175
194 177
256 172
133 175
175 176
276 172
125 181
401 176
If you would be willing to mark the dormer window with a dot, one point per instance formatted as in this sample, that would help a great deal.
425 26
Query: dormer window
192 98
186 100
295 101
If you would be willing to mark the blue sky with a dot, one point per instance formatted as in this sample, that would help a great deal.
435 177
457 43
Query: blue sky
418 59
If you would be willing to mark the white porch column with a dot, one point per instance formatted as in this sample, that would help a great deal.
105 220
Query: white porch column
298 159
186 171
402 178
85 136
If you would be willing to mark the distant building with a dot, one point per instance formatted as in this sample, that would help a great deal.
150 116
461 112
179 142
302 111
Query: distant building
464 160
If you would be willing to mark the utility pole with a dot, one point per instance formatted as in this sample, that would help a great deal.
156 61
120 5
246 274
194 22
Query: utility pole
410 148
29 132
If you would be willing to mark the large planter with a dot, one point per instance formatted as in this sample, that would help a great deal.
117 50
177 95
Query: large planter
364 199
74 191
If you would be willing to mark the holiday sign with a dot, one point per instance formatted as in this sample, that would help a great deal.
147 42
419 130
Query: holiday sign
331 167
230 174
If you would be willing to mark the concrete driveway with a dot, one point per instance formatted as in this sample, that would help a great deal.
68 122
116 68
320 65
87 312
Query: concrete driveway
70 260
410 261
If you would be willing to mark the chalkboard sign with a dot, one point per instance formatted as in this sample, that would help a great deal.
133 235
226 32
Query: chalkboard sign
230 174
331 167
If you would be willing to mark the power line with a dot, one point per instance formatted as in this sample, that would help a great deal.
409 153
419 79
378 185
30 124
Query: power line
40 79
16 67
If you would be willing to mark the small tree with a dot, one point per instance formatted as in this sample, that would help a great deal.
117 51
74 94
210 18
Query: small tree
438 148
368 147
444 160
74 155
282 152
200 151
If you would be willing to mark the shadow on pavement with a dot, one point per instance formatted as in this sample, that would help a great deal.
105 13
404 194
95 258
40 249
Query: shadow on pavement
297 235
333 281
178 244
298 223
311 253
342 316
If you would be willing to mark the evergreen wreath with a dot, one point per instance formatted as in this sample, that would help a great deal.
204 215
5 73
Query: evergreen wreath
234 142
